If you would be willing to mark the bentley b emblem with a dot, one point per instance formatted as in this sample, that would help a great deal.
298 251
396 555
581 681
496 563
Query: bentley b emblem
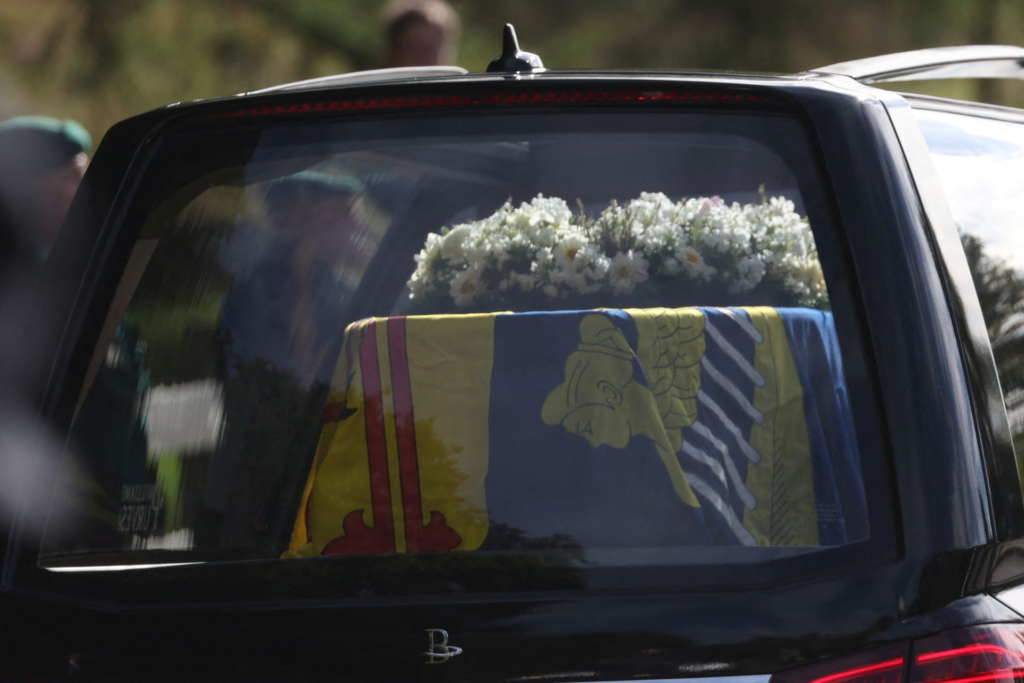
440 651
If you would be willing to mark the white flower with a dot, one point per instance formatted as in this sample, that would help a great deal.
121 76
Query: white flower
553 209
694 265
452 243
520 218
627 270
592 261
431 249
525 282
544 236
708 205
466 287
751 271
805 278
567 249
752 242
418 285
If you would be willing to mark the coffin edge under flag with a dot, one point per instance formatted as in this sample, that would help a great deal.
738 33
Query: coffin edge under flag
632 428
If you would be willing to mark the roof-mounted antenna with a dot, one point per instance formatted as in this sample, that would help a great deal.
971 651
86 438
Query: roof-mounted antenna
512 59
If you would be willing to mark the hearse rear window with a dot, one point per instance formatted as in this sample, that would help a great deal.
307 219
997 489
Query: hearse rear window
604 339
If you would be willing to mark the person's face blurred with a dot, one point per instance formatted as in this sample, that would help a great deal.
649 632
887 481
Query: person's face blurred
51 195
420 44
326 224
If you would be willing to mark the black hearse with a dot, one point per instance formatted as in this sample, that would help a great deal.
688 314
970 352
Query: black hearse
531 375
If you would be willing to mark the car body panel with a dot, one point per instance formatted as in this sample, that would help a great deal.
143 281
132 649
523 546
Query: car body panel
926 371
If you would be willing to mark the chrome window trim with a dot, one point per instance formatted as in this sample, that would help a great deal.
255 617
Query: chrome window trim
966 61
976 109
364 77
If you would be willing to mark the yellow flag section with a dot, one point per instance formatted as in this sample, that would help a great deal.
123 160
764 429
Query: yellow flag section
391 479
783 481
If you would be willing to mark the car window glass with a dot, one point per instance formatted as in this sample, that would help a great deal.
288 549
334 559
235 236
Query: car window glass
980 163
584 342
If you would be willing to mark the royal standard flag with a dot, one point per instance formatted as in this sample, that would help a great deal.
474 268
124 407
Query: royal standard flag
609 429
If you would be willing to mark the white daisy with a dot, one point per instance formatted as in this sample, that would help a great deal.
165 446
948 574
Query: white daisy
694 265
627 270
567 248
466 287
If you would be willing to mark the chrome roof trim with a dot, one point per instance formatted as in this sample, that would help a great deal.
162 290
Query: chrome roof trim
361 77
964 108
967 61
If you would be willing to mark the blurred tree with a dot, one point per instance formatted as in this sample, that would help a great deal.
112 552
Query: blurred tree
103 60
1001 294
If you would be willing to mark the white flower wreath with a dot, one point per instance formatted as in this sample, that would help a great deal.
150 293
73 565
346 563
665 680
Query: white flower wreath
546 248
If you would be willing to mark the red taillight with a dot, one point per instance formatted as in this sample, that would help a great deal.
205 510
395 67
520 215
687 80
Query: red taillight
890 670
980 654
880 665
519 97
975 655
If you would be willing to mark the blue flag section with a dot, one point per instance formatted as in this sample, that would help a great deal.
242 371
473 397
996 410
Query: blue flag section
838 481
601 429
716 451
584 476
674 427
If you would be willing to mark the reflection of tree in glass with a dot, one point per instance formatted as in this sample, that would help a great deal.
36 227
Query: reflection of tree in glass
446 473
110 434
272 423
508 560
178 299
505 537
1001 294
446 476
451 483
418 574
1000 291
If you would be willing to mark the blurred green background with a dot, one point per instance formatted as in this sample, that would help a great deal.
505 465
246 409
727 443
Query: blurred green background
100 61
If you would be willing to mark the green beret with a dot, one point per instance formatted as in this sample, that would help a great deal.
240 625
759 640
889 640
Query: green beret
34 145
312 185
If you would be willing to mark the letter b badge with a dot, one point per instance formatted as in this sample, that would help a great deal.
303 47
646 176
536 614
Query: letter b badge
440 651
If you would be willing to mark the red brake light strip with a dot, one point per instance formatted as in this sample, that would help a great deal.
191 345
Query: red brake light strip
975 654
504 98
980 648
861 671
1002 675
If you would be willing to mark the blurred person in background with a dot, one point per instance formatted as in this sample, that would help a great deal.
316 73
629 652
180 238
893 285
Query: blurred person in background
286 304
421 33
42 161
282 328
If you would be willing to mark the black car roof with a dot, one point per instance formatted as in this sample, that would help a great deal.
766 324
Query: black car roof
971 61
